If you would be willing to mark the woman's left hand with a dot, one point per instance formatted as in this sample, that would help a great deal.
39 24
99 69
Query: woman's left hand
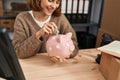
57 59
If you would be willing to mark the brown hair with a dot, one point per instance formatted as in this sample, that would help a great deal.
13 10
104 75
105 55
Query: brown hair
35 6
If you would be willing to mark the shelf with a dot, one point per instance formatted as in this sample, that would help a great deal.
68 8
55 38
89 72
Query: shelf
7 17
84 24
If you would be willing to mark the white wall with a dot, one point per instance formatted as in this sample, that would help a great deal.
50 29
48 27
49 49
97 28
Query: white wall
7 5
75 6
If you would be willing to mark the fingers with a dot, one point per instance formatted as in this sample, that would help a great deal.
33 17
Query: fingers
52 23
54 59
57 59
49 28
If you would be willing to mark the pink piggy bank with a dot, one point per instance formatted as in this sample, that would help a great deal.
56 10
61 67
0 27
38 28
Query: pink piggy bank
60 45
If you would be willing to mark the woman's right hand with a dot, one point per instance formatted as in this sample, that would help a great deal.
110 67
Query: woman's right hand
47 29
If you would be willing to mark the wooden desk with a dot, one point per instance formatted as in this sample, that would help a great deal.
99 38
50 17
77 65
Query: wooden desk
82 67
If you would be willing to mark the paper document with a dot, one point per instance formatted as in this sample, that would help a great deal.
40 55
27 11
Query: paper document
112 48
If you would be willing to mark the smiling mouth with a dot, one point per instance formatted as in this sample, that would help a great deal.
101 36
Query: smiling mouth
50 10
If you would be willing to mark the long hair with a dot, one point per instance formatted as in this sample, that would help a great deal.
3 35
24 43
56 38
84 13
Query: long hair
35 5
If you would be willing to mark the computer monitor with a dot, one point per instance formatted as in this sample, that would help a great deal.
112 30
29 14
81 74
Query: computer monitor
10 68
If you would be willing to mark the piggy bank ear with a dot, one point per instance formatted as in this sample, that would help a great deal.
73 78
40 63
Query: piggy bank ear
69 34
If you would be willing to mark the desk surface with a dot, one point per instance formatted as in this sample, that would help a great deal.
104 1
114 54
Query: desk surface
82 67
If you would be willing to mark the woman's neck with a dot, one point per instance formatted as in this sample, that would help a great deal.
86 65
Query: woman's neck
40 16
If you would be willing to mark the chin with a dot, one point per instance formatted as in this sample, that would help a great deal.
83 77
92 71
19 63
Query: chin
49 14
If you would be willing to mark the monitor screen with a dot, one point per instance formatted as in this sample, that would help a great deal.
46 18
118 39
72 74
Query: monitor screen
10 68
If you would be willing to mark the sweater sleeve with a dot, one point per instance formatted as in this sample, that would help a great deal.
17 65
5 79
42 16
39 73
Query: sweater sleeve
66 27
24 44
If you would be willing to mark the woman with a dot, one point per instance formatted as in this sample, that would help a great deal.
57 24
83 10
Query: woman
33 28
